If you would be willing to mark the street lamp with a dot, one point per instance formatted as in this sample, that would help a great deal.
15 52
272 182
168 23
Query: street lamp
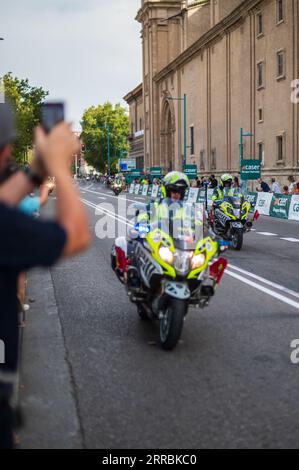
185 123
242 135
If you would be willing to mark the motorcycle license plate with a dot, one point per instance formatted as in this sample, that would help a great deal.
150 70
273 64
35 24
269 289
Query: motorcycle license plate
237 225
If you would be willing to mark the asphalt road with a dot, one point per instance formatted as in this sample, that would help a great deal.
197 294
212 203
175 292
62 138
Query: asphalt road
229 384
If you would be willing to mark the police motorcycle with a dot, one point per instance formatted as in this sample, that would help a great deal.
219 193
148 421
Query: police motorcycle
168 268
117 186
230 218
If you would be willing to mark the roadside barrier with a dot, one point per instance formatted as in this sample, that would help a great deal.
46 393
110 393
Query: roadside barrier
272 205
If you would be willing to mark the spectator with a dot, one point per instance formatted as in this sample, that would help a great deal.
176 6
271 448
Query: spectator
264 187
236 183
27 242
285 191
296 190
276 189
204 182
291 180
213 182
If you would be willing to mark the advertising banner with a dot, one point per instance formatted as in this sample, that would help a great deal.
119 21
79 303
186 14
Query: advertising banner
137 186
252 198
193 195
280 206
145 190
191 171
127 165
201 196
156 171
131 190
264 203
294 208
155 191
250 170
210 194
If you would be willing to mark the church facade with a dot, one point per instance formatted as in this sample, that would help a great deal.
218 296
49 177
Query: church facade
237 64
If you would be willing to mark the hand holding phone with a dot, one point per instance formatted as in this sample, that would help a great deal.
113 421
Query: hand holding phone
52 113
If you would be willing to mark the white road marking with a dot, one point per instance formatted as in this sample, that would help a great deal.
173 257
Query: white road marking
267 234
119 218
270 292
102 197
265 281
292 240
112 196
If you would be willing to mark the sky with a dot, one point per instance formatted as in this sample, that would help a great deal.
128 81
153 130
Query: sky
84 52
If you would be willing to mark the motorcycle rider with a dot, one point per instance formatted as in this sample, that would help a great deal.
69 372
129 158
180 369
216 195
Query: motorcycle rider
226 181
173 190
158 213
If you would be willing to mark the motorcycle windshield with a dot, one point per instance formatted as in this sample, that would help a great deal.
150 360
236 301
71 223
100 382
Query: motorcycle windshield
185 229
233 197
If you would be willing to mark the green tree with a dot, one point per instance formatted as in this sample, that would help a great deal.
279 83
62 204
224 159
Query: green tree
94 134
27 101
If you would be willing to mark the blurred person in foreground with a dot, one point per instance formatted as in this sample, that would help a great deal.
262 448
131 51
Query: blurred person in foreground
26 242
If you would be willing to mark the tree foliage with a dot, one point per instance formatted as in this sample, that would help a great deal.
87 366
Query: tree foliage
94 134
27 101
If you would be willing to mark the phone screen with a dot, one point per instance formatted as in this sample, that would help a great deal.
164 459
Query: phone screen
52 114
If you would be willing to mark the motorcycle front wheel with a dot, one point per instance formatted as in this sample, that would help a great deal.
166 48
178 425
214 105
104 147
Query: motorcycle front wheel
171 325
238 236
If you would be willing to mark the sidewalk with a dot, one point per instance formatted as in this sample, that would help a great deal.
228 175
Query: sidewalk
47 400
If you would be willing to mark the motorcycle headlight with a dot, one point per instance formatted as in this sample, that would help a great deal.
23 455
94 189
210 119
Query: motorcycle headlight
198 261
166 255
182 262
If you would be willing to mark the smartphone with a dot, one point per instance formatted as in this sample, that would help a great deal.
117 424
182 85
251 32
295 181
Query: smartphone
51 114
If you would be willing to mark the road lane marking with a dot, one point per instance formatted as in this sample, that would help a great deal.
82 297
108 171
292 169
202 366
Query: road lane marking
292 240
112 196
107 212
267 291
265 281
267 234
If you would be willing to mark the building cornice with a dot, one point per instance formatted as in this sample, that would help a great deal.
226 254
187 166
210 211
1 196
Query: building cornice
227 24
148 4
134 94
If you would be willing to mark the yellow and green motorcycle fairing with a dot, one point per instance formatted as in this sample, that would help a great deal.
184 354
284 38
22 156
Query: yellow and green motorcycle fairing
157 239
228 210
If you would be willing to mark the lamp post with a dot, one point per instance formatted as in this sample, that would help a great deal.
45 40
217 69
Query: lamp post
184 99
107 129
242 135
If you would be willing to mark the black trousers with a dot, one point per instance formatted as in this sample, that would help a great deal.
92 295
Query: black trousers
6 417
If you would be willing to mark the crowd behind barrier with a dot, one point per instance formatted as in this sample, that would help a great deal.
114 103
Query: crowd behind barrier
269 204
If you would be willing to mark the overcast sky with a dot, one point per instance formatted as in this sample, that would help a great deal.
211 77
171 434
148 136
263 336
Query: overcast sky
82 51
